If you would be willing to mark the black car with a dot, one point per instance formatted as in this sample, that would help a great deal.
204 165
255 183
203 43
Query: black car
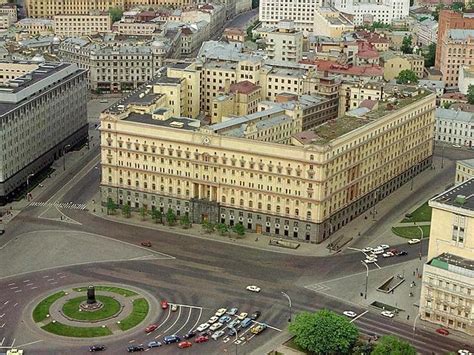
400 253
96 348
255 315
134 348
189 335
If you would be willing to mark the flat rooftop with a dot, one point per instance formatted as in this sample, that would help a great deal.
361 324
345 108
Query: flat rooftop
184 123
453 263
452 196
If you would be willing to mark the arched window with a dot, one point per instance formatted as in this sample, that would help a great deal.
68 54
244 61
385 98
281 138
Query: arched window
223 199
308 215
232 200
241 202
297 212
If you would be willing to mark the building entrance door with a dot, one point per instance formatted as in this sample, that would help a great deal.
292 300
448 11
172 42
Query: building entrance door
205 217
258 228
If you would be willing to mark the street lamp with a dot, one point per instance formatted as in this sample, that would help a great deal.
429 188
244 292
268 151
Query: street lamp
366 278
64 155
421 241
442 156
289 303
236 338
28 181
414 324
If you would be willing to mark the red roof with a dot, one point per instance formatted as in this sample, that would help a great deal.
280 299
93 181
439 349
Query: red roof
332 67
243 87
366 50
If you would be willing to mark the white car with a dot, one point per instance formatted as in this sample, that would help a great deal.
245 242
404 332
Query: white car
213 319
387 314
413 241
372 257
369 261
174 308
220 312
203 327
217 335
384 246
378 250
349 314
215 326
464 352
253 288
387 254
242 316
456 146
367 249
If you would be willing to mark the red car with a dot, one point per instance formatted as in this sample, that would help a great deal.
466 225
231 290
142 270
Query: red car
201 339
185 344
151 328
442 331
164 304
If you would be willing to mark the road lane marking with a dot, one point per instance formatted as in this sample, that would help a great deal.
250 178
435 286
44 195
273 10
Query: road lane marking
3 340
25 281
17 291
1 316
13 287
33 287
187 320
62 277
351 248
169 314
131 341
31 343
199 318
6 302
13 342
3 326
186 305
269 326
176 321
31 283
377 265
53 283
16 304
360 315
50 280
11 284
44 277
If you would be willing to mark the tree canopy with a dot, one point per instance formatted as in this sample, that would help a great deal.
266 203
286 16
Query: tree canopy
116 13
406 46
430 55
391 345
324 332
407 76
470 94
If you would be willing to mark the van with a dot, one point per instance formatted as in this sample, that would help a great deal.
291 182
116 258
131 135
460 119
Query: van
246 322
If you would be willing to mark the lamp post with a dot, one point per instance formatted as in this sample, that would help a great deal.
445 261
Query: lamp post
442 156
236 338
64 155
374 211
289 303
414 324
28 181
421 241
366 278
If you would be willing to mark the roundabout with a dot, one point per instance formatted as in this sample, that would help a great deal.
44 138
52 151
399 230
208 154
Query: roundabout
94 311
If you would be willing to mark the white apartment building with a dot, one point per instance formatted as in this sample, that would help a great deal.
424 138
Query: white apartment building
42 110
369 11
426 31
10 11
81 25
283 43
454 127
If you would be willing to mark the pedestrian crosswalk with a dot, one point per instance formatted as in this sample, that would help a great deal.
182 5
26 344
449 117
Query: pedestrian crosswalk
64 205
318 287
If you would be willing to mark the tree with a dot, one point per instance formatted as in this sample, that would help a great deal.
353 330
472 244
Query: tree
208 227
435 13
447 105
239 229
255 4
111 206
470 94
324 332
430 55
185 222
458 6
126 211
157 215
407 76
143 212
116 14
389 344
170 217
222 228
406 46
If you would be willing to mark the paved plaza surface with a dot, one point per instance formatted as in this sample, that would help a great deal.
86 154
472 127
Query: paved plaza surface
200 272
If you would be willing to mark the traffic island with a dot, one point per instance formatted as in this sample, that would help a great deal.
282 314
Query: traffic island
71 313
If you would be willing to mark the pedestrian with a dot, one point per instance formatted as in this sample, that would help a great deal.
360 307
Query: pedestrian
414 284
408 317
417 270
413 273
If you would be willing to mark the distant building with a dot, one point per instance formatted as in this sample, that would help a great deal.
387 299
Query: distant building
81 25
36 26
394 62
365 12
234 34
466 78
330 22
464 170
43 109
426 31
454 127
447 293
283 43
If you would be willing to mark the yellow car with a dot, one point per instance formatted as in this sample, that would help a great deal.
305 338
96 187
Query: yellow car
258 329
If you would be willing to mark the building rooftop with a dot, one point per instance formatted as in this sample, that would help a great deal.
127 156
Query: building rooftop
259 125
460 196
173 122
332 67
454 263
460 35
467 162
453 115
243 87
245 119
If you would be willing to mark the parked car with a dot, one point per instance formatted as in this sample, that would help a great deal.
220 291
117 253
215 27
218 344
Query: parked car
234 330
154 344
378 250
174 307
185 344
215 326
394 251
442 331
242 316
225 319
201 339
464 352
189 335
414 241
367 249
401 253
234 323
217 334
253 288
213 319
94 348
164 304
203 327
384 246
387 314
135 348
146 243
388 254
172 339
150 328
221 311
255 315
246 322
258 328
233 311
349 314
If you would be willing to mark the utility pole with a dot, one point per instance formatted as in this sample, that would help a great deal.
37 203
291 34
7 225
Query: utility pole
289 303
67 146
366 278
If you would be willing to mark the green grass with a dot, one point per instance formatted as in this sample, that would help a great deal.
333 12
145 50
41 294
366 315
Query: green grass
111 307
139 313
421 214
77 332
411 232
120 291
42 309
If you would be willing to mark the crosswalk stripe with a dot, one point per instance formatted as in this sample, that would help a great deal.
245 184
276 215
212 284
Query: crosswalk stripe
64 205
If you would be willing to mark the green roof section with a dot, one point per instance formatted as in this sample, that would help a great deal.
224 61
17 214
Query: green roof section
440 264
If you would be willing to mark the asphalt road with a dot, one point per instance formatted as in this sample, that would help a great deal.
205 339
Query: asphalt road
205 274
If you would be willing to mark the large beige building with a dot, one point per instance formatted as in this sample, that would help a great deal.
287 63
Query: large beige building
284 42
464 170
262 169
447 296
394 62
82 25
330 22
